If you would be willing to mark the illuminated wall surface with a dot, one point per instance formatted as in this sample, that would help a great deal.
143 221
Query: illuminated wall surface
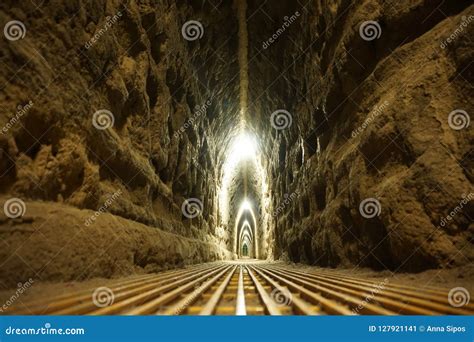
237 158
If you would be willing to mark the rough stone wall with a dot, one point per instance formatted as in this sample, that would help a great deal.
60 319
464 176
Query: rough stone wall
369 120
406 155
152 80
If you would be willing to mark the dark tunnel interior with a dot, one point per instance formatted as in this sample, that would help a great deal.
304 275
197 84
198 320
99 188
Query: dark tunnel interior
141 136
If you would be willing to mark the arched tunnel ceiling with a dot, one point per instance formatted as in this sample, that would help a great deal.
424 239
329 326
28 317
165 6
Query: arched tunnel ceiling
245 185
221 123
218 75
215 60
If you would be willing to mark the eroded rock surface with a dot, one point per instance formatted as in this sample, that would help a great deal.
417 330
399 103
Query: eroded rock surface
369 120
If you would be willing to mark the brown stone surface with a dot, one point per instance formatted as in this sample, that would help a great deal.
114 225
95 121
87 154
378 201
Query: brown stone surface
53 242
406 156
141 69
164 148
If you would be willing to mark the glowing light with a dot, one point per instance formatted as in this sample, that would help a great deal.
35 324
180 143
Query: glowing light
246 205
244 147
246 224
243 151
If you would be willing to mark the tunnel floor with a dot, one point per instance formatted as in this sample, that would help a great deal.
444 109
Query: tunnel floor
247 287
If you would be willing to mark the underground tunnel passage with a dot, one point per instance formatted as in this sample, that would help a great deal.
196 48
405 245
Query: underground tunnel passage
238 157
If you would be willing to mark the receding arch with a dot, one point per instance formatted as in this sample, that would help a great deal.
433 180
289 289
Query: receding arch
246 240
245 208
246 233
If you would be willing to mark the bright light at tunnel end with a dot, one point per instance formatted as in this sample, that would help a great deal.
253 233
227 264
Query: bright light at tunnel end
243 147
246 205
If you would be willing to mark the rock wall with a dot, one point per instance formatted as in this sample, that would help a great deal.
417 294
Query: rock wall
129 63
369 121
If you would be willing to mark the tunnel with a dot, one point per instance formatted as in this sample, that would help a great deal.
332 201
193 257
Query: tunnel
236 157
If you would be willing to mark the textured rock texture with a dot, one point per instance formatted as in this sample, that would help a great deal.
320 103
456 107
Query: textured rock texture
131 59
369 120
52 242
